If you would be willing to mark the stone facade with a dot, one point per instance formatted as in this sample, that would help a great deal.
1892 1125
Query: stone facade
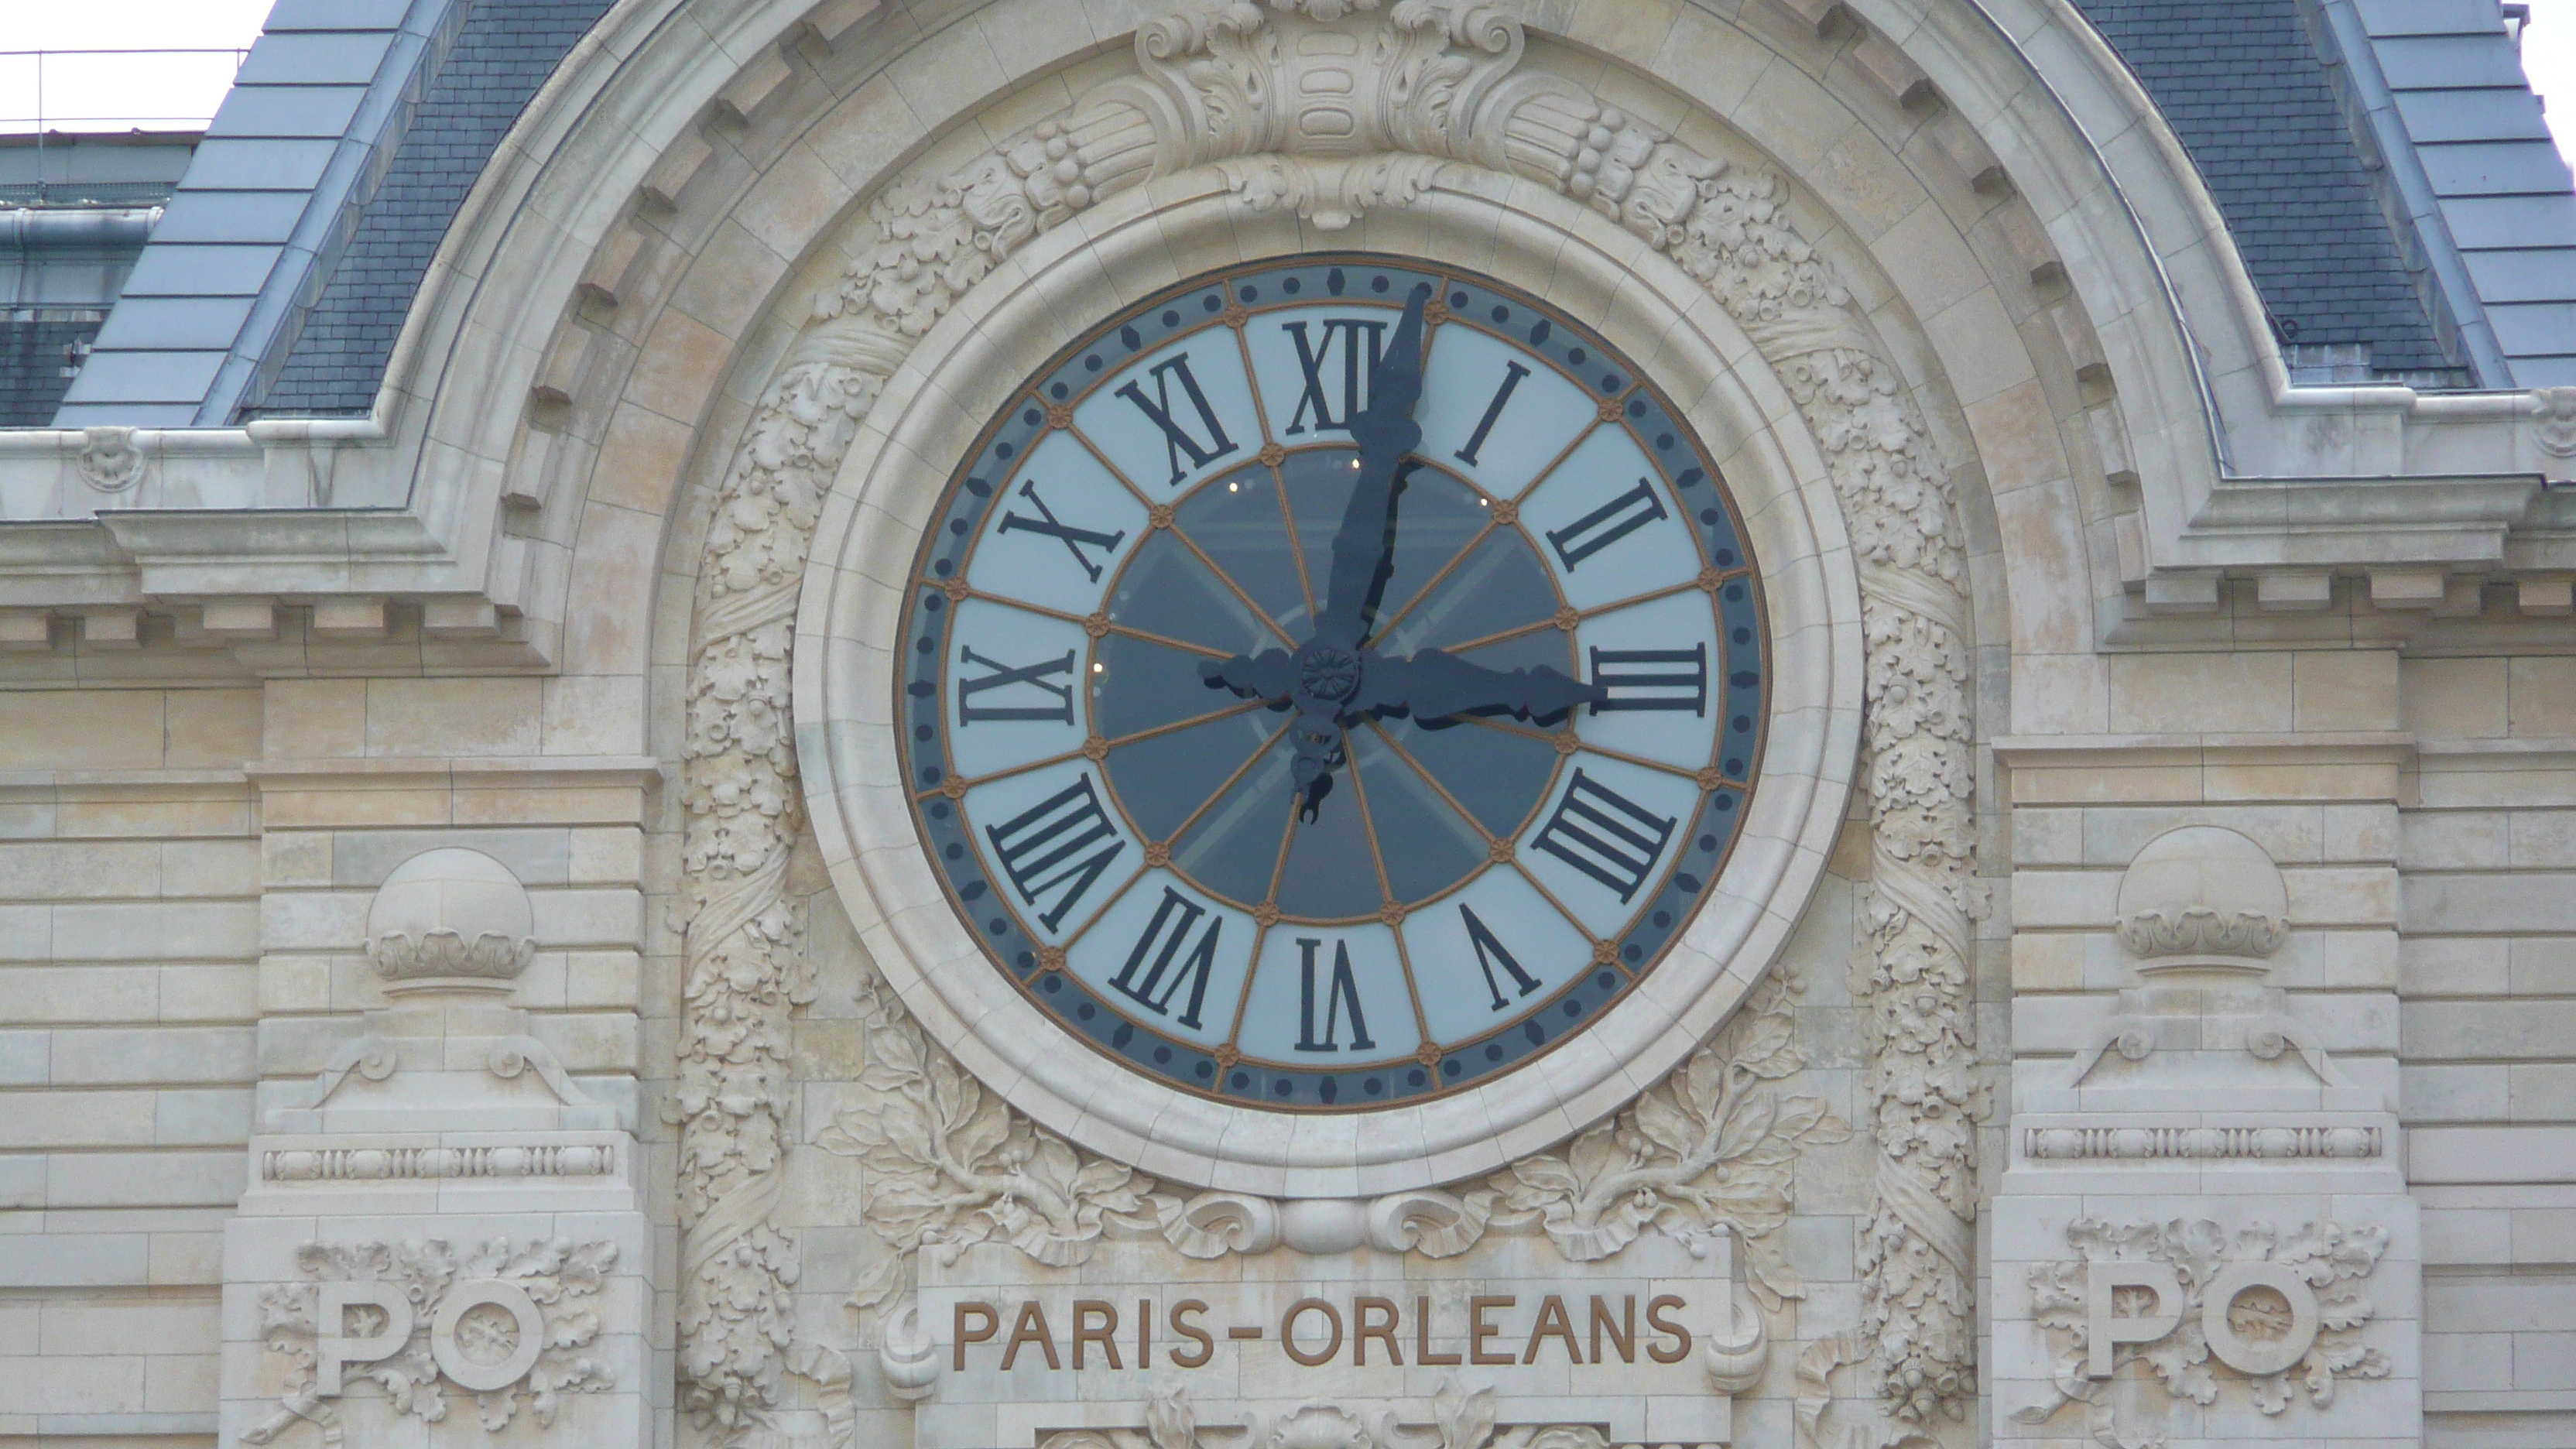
465 982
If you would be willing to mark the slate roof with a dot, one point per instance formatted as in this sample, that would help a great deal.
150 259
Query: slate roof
500 58
2379 162
2476 174
269 199
2242 85
35 350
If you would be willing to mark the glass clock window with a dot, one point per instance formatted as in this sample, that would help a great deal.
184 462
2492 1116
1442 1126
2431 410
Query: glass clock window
1332 683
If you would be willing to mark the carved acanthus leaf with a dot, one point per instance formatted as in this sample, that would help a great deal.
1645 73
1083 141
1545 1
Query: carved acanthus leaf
950 1164
1708 1150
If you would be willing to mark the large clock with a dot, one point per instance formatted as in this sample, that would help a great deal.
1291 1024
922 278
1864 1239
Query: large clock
1331 684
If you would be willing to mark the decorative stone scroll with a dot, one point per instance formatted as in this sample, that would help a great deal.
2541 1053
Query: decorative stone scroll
1401 96
506 1323
2283 1310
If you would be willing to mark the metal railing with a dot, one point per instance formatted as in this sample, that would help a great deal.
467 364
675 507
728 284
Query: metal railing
34 117
36 60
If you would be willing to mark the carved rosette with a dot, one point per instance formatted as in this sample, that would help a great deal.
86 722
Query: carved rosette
1371 115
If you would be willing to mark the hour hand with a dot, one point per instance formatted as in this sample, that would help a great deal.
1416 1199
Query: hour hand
1271 675
1433 685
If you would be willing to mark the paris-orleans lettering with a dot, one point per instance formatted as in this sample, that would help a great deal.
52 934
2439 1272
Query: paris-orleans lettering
1314 1332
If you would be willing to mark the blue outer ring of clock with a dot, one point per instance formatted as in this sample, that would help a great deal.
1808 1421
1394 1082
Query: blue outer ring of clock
1662 913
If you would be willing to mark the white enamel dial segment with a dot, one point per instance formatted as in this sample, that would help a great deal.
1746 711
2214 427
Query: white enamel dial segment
1662 664
1494 414
1607 524
1056 843
1170 955
1496 949
1015 688
1313 366
1608 832
1329 998
1059 531
1176 415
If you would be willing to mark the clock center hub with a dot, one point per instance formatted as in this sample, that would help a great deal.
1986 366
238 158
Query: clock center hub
1328 672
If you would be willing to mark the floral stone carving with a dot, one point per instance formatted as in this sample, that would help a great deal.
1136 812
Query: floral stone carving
1461 1420
1708 1150
2283 1310
1432 81
506 1323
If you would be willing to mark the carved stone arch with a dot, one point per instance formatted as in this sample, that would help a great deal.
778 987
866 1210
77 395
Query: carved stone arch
1871 445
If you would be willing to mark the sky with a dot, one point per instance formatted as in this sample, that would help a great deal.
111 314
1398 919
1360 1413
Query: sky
92 92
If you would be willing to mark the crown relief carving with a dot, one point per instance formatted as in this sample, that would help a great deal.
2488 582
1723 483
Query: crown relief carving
1424 86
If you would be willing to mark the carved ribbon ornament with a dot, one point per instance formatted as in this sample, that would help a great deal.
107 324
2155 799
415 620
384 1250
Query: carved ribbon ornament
1330 107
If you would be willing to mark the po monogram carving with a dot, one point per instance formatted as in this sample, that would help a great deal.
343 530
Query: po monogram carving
1433 84
2284 1311
505 1323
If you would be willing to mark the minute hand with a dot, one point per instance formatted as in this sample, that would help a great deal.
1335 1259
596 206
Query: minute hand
1433 685
1364 549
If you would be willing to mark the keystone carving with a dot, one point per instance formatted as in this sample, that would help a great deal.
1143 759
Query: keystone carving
2283 1311
1436 88
108 460
506 1323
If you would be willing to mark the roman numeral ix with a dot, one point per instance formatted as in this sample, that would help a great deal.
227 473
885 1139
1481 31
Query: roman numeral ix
1177 439
1605 835
1042 848
1003 676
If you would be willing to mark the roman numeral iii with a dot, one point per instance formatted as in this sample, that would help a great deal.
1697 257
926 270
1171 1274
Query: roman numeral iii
1042 849
1178 439
1605 835
1003 676
1674 679
1156 951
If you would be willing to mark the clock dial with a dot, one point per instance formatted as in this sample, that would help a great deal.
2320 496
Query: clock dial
1332 684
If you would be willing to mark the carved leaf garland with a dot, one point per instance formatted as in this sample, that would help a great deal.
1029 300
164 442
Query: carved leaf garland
1443 84
1709 1149
950 1165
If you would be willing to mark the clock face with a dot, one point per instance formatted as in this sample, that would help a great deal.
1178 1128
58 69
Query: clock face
1310 744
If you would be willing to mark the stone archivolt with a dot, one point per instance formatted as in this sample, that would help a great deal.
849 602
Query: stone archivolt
1427 90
